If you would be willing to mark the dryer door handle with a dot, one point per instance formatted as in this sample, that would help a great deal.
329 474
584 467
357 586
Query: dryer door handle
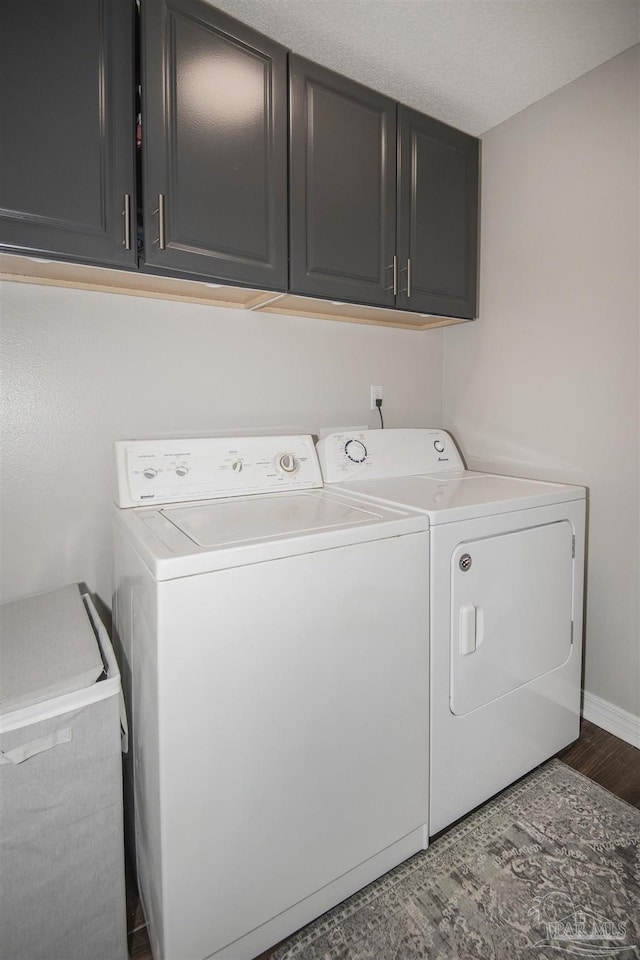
468 641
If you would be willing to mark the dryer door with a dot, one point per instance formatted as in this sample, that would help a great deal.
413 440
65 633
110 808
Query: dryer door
511 615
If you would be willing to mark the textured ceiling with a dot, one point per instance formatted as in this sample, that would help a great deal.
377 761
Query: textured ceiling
471 63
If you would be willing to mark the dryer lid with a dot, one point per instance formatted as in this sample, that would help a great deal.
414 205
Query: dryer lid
463 494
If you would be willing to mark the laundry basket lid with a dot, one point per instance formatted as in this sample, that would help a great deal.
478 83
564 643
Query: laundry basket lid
47 648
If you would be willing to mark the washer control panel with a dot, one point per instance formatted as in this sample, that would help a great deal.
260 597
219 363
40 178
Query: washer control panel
170 471
376 454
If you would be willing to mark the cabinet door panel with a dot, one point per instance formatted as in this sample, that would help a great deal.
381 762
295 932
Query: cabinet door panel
342 187
437 216
214 145
67 127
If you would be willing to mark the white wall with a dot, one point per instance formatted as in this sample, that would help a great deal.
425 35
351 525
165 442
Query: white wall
547 382
82 369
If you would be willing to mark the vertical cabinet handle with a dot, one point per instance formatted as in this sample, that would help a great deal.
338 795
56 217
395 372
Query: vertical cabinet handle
408 271
161 235
394 266
126 213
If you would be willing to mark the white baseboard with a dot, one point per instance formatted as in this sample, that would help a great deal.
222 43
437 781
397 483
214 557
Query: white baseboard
617 721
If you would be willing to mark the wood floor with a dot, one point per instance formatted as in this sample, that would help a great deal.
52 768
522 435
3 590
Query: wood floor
599 755
606 759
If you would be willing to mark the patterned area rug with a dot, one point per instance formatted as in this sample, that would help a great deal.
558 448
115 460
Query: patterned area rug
550 867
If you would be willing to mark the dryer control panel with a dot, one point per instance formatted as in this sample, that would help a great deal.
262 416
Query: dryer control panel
171 471
376 454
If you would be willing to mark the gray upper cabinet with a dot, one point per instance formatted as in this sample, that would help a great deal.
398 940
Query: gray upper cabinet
257 168
342 170
437 216
67 162
367 224
214 133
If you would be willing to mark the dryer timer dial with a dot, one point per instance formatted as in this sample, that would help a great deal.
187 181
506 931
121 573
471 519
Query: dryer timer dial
356 451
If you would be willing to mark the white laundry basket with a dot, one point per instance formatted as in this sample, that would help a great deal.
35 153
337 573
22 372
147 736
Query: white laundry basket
62 891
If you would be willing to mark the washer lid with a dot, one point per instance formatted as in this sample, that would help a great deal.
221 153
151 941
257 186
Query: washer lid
231 522
463 494
215 535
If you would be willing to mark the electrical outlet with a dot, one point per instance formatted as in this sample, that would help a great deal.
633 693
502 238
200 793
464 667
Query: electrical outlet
376 394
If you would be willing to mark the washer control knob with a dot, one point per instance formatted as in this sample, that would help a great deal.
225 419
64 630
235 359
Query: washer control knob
237 466
287 463
182 470
150 473
438 446
356 451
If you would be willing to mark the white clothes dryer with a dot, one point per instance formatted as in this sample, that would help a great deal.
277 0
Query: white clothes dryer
506 599
275 639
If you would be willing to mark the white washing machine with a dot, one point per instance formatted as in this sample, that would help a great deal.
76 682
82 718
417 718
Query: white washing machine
275 659
506 588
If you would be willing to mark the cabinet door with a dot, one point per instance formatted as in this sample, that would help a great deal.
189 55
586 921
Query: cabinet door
214 146
67 163
342 172
437 216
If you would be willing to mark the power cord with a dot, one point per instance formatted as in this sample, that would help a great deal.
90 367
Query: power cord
379 406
